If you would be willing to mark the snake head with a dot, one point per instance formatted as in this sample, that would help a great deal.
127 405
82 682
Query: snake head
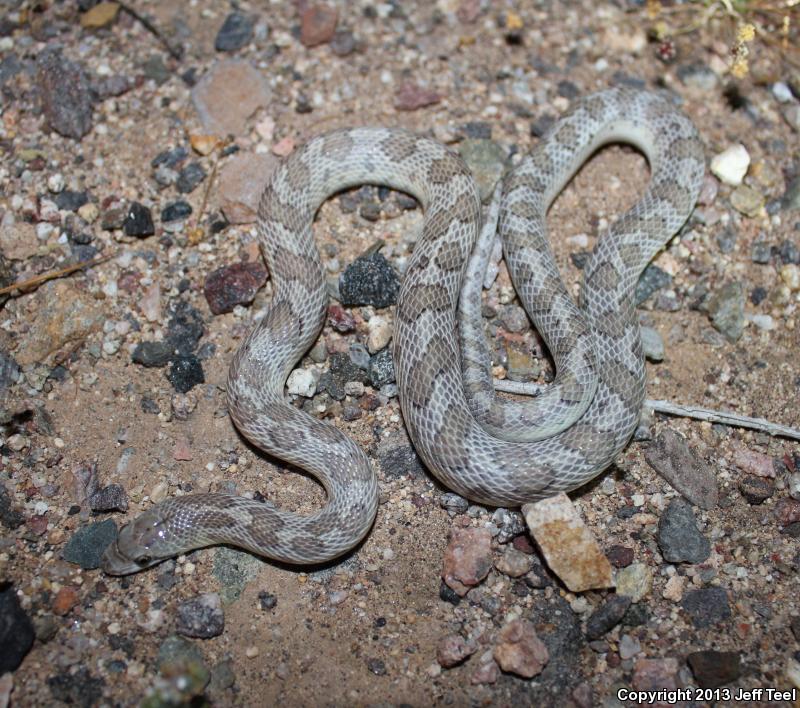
140 544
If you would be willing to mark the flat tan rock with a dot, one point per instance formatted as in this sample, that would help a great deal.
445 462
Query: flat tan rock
567 544
18 241
241 183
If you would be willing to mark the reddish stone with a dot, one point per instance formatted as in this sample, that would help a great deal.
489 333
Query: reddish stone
519 650
655 674
411 96
318 24
620 556
453 650
340 319
233 285
37 524
65 600
523 543
467 559
787 511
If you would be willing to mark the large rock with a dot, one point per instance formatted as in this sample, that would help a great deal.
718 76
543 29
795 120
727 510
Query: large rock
241 183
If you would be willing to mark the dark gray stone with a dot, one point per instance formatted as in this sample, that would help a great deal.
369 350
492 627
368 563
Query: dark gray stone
16 630
88 543
235 33
369 280
607 616
707 606
65 93
138 221
678 536
201 617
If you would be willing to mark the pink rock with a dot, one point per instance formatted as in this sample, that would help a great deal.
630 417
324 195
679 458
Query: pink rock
340 319
241 183
485 672
317 25
228 95
411 96
753 462
468 11
233 285
453 650
467 559
182 451
150 303
787 511
519 650
655 674
283 147
37 524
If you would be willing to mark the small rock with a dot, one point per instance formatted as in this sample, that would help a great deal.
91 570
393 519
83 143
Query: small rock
761 252
381 369
567 544
101 15
410 97
235 33
176 211
707 606
675 461
787 511
726 310
138 221
467 559
747 200
266 600
635 581
189 177
343 43
674 588
66 598
628 647
369 280
340 319
87 545
486 160
519 650
318 24
453 650
652 280
756 490
377 667
655 674
713 669
228 95
620 556
241 183
185 373
110 498
65 94
753 462
730 166
70 200
794 485
452 503
380 332
233 285
302 382
201 616
607 616
514 563
678 536
16 631
152 354
653 344
486 672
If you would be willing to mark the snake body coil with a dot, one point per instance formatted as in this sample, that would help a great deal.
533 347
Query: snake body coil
559 440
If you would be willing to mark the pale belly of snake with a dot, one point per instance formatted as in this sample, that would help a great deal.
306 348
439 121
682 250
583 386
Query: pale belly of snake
489 450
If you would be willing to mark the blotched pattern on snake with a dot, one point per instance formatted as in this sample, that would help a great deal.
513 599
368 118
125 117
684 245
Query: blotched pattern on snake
491 452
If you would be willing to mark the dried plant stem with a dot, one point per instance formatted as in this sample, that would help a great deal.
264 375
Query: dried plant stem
50 275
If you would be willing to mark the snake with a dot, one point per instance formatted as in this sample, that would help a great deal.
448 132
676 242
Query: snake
489 449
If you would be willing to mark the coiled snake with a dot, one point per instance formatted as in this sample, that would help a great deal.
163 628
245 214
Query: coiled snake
496 453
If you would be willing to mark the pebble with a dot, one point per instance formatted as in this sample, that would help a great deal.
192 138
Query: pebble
607 616
655 674
411 96
652 280
65 94
753 462
453 503
152 354
514 563
233 285
653 344
318 24
266 600
467 559
185 373
790 274
101 15
87 545
70 200
176 211
713 669
340 319
514 318
635 581
190 177
138 221
519 650
747 200
380 332
228 94
453 650
66 598
486 672
756 490
16 630
726 310
234 569
707 606
241 183
678 536
201 617
343 43
10 517
302 382
65 313
567 544
794 485
510 524
486 160
76 688
110 498
787 511
730 166
698 76
620 556
235 33
369 280
628 647
381 369
376 666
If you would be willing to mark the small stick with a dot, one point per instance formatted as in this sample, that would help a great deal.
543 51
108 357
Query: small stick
150 27
724 417
39 279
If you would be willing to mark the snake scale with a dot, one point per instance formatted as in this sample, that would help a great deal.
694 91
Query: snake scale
491 452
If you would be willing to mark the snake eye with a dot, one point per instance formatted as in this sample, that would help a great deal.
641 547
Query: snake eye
143 560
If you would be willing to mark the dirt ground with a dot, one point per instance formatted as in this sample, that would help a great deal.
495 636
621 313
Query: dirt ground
366 631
